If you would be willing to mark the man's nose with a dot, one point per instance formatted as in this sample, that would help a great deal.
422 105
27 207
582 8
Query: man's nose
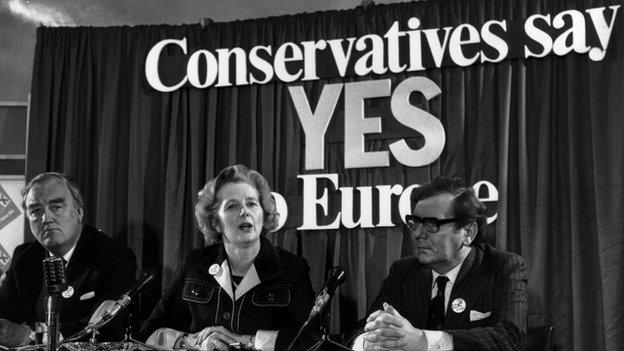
419 232
48 216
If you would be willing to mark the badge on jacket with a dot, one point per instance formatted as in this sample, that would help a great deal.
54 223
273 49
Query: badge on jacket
458 305
214 269
69 292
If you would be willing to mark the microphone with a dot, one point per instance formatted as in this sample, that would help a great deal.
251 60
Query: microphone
56 283
109 309
54 275
336 276
127 297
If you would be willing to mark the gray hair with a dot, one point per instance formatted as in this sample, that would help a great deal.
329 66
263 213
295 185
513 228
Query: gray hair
42 178
207 204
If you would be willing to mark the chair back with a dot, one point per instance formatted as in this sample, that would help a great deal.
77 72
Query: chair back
538 339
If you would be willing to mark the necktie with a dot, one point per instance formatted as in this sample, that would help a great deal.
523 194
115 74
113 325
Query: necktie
436 306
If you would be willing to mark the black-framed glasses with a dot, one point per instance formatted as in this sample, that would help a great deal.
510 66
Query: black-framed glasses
431 224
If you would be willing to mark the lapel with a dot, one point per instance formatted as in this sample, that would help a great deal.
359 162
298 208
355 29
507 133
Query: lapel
266 266
214 264
81 256
470 280
250 280
79 268
417 294
30 279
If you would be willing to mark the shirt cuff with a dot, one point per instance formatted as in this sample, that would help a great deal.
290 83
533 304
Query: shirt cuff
265 340
438 340
358 343
164 337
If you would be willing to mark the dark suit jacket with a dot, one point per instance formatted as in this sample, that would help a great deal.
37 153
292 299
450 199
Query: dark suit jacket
99 265
489 281
281 301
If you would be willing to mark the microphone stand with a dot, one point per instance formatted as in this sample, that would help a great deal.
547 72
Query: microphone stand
325 338
128 339
53 311
113 310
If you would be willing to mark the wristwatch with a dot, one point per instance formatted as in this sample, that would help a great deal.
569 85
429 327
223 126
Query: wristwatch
181 342
251 343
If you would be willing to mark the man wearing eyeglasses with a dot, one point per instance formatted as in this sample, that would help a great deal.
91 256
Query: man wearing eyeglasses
454 293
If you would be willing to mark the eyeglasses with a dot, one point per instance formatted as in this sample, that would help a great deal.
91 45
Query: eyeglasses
431 224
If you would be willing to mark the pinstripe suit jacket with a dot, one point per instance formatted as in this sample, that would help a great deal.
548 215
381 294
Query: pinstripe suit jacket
489 281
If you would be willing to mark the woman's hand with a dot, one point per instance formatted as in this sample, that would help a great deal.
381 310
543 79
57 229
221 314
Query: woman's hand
218 338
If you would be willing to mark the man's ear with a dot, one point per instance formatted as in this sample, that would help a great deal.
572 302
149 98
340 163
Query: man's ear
80 214
471 233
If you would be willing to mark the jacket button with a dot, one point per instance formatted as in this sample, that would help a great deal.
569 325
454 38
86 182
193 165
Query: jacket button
194 293
226 315
271 297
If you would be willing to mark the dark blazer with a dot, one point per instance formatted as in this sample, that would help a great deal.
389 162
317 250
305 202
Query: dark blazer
281 301
488 281
99 266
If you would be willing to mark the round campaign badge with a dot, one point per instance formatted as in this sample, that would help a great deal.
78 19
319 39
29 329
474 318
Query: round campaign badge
214 269
458 305
69 292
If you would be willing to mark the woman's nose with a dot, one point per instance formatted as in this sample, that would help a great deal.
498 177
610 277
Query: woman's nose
244 211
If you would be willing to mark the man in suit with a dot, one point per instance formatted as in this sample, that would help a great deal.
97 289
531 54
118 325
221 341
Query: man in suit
453 294
97 267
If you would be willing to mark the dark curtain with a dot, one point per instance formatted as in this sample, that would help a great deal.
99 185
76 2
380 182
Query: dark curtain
548 132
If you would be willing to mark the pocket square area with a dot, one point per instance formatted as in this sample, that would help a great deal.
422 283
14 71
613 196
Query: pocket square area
89 295
477 316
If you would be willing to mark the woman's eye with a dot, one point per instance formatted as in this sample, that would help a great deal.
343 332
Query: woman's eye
252 204
230 207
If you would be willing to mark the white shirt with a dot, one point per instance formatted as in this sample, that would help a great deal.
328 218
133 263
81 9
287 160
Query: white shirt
436 339
67 256
452 277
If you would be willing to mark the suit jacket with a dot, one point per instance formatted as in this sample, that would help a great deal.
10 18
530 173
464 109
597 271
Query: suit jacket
99 269
279 298
488 281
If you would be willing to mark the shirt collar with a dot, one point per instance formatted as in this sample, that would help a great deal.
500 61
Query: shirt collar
451 275
67 256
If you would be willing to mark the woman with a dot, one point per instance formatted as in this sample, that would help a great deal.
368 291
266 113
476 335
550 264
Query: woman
241 290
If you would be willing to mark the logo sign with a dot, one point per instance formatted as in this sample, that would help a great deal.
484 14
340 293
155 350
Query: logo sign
4 260
8 210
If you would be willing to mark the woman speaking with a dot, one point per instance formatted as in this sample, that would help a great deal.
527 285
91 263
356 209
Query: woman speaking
241 292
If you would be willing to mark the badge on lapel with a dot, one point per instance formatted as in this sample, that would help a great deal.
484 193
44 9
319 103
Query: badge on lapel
69 292
214 269
458 305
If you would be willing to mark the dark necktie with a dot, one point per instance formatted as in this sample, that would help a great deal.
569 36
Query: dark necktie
436 306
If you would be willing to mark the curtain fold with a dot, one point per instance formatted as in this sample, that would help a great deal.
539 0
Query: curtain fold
547 132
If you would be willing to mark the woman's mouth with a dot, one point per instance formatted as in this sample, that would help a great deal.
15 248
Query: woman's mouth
246 226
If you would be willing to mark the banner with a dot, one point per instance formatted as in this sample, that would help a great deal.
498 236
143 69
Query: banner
404 47
11 217
346 113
